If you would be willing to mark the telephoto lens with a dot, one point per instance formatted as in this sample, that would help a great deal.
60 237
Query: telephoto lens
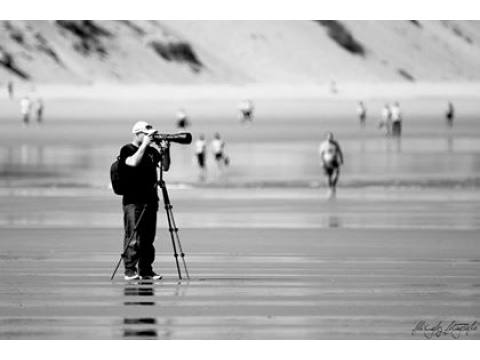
183 138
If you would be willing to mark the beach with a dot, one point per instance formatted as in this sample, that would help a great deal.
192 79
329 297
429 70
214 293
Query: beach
269 255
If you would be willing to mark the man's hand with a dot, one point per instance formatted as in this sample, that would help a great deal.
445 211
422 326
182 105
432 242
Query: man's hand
147 140
164 144
135 159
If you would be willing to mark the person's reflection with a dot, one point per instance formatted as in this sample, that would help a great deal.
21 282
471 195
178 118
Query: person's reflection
135 296
142 289
141 294
388 146
24 154
334 221
398 144
39 161
30 155
450 143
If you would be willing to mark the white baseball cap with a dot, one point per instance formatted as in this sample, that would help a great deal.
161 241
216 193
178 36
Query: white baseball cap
143 127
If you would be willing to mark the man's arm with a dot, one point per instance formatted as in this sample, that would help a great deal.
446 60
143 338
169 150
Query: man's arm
340 153
135 159
321 151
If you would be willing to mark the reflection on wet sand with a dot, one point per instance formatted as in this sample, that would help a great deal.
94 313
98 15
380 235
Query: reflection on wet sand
358 208
147 327
371 158
450 143
139 290
334 221
29 155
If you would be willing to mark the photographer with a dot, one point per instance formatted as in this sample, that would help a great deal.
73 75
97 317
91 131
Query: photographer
138 161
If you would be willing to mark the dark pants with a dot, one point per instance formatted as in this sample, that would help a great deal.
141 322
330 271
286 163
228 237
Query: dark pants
396 128
247 115
333 173
141 248
201 160
39 116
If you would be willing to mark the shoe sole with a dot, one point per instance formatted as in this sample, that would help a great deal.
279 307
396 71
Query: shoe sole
129 278
151 277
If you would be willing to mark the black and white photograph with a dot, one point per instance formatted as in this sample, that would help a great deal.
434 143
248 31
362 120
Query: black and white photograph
239 179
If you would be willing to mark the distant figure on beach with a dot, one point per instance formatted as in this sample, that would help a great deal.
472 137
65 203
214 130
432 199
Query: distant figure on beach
218 149
201 154
386 119
25 108
10 89
331 158
396 120
450 114
362 113
182 119
246 110
333 87
39 110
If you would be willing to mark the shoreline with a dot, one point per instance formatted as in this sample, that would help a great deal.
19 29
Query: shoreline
432 183
350 90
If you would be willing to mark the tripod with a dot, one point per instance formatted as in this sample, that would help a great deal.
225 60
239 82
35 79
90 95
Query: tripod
172 229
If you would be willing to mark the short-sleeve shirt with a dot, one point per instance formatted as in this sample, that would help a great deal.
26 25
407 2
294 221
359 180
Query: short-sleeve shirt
141 180
329 152
200 146
25 105
386 114
217 146
396 115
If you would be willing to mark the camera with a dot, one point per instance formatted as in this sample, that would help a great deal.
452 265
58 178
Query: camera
183 138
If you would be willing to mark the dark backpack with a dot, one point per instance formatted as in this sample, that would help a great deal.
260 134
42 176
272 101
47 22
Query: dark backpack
116 177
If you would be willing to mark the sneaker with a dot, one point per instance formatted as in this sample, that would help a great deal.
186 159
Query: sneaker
131 275
152 276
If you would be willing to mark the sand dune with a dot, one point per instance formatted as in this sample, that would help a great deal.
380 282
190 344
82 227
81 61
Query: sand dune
239 52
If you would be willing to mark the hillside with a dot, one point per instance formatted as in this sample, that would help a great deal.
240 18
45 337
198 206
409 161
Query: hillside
238 52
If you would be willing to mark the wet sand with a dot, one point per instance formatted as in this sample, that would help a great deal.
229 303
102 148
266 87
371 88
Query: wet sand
298 284
270 257
286 264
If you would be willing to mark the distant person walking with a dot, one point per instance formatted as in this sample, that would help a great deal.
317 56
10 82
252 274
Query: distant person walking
201 154
10 89
246 111
396 120
182 119
362 113
331 158
450 114
39 110
386 119
333 87
218 149
25 108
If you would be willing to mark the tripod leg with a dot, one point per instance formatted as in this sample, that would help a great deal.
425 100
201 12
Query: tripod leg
129 242
171 230
182 254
